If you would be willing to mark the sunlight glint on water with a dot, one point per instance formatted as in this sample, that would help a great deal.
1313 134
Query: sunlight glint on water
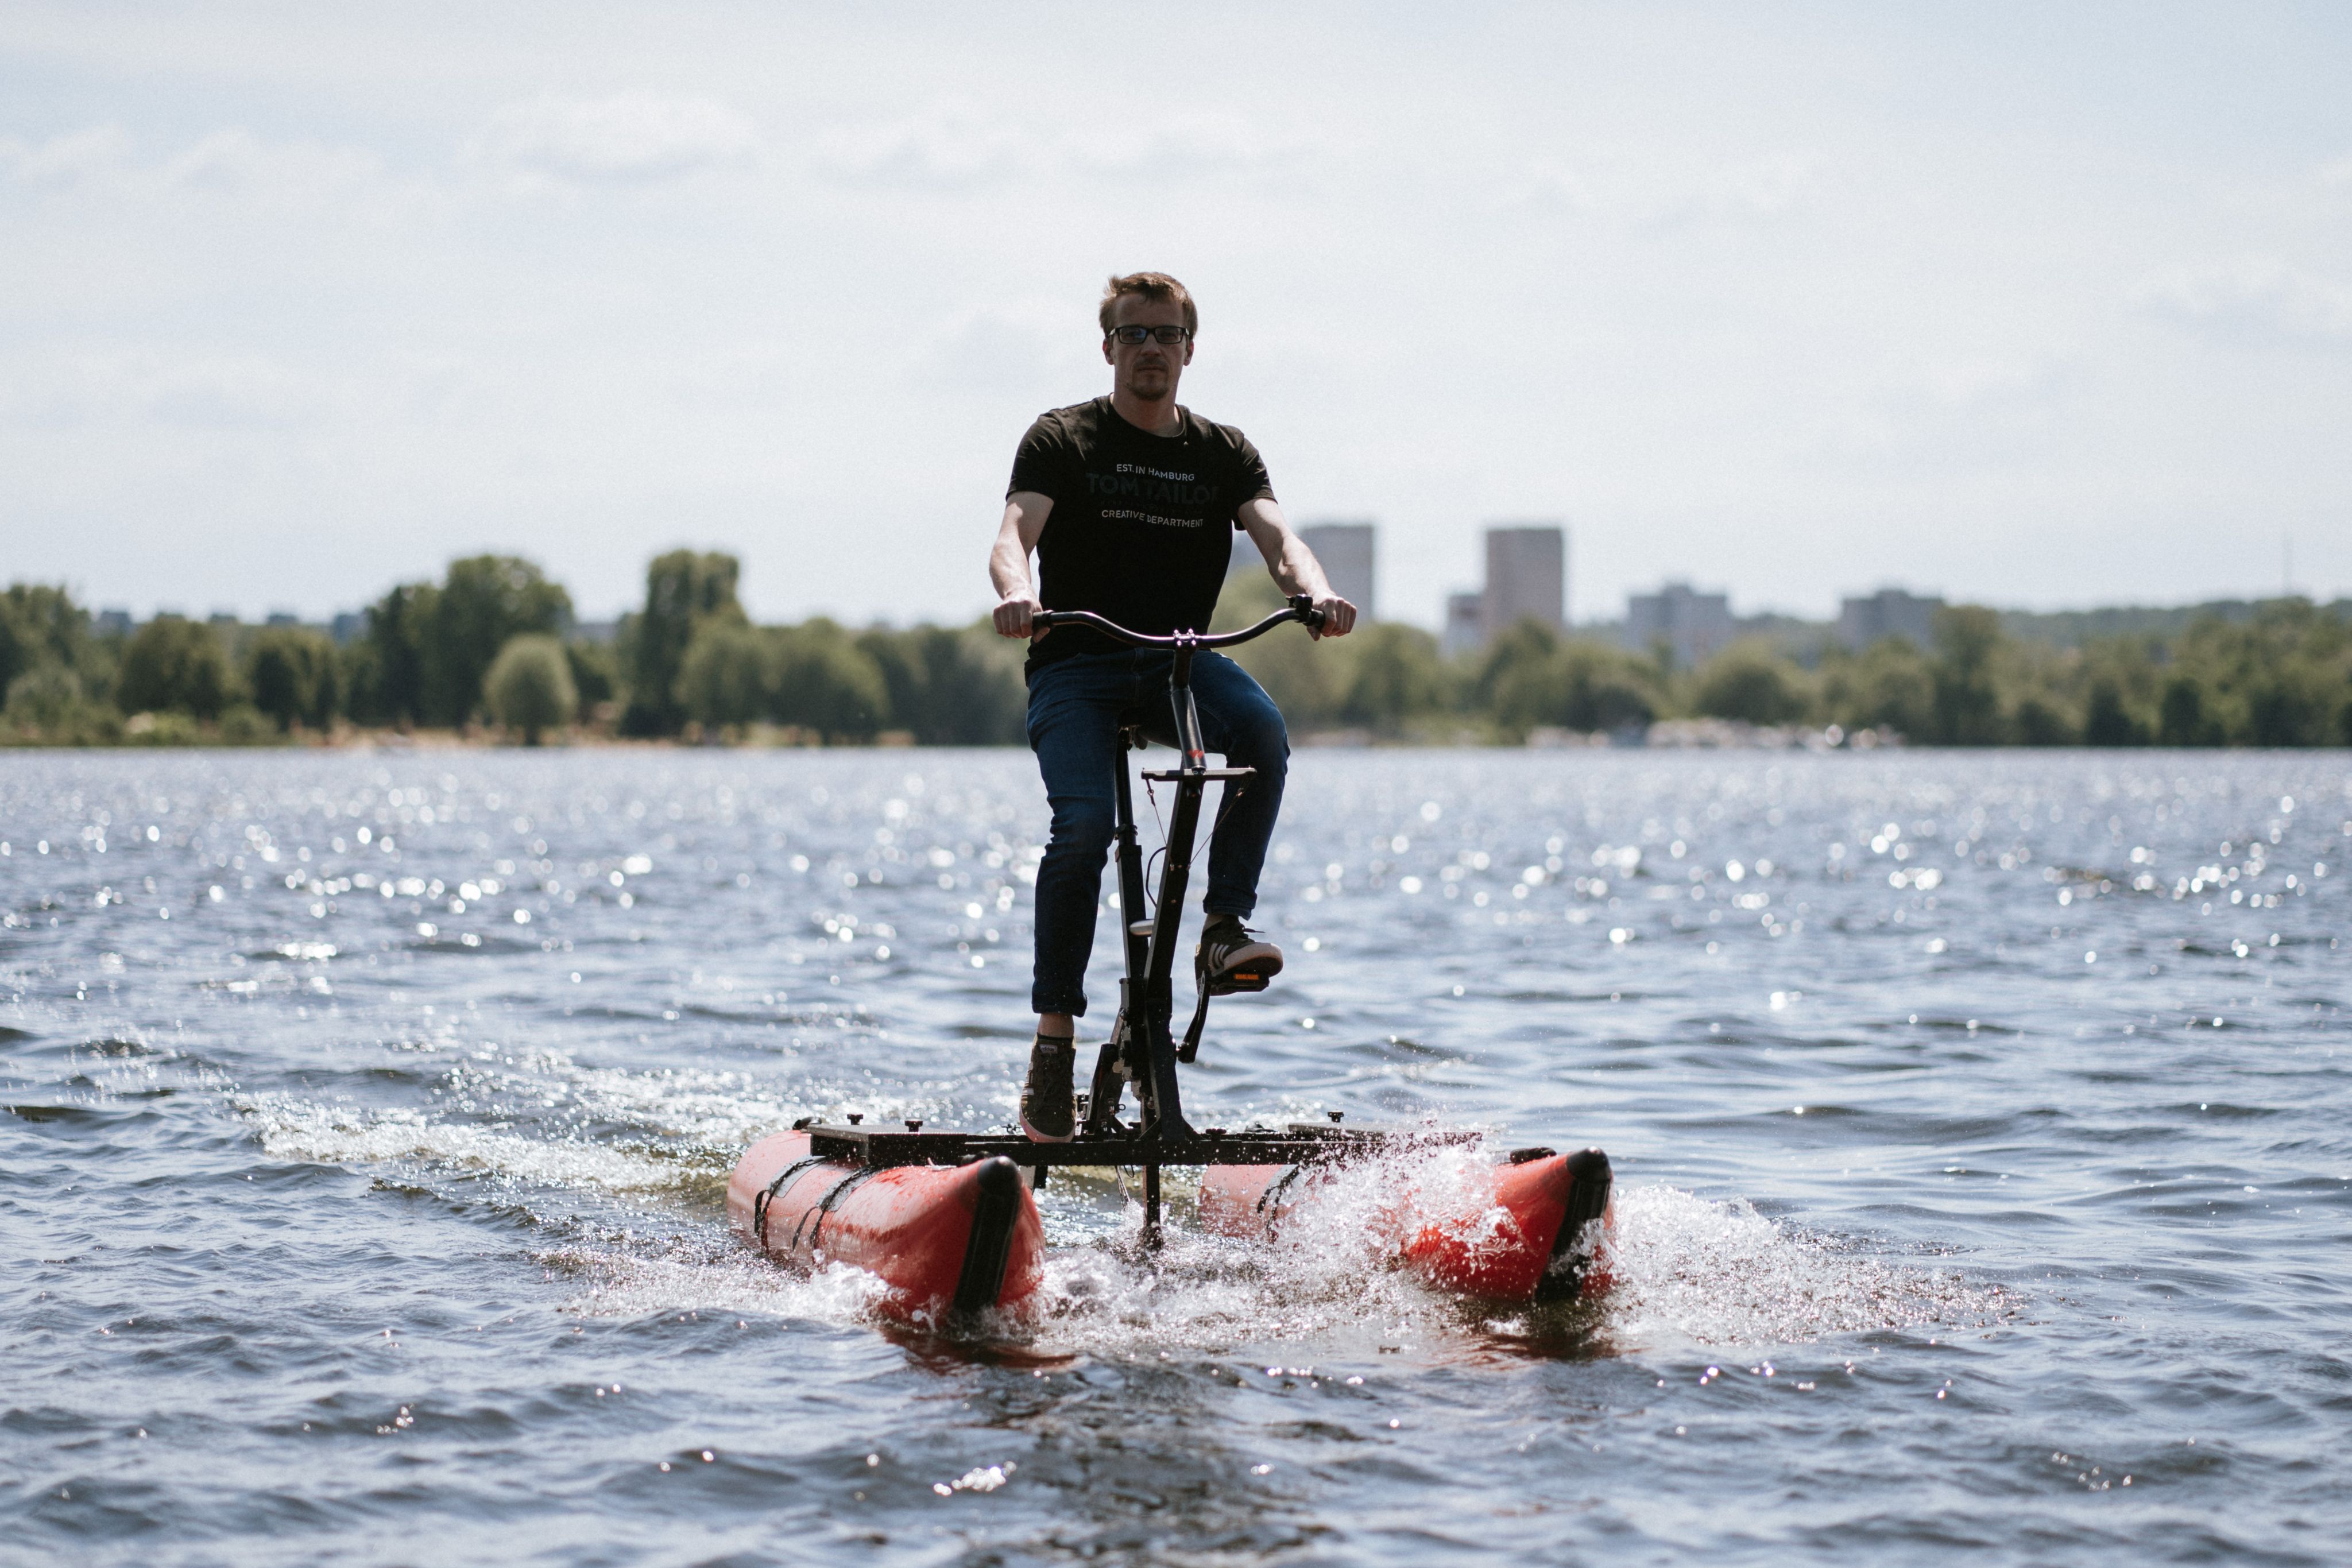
2032 1173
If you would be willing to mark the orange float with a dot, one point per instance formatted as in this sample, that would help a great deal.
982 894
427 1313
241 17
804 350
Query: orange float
947 1240
1528 1230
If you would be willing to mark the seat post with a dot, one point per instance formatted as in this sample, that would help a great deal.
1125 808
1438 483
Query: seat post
1129 849
1103 1097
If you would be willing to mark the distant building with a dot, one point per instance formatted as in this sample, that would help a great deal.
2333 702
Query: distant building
1345 550
1693 626
348 627
283 618
605 631
1464 621
112 623
1889 613
1527 579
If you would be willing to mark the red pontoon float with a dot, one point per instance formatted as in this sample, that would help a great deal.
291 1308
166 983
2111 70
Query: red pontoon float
948 1223
947 1240
1528 1231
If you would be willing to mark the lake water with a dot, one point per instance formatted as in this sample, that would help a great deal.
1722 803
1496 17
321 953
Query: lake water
1981 1125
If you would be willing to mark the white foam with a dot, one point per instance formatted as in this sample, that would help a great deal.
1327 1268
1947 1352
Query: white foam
1718 1274
293 1129
628 1278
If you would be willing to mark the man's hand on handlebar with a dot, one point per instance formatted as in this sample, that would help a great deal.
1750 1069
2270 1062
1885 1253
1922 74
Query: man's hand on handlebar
1339 617
1013 616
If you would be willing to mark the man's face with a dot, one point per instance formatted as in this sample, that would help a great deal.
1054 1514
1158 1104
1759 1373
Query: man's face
1149 369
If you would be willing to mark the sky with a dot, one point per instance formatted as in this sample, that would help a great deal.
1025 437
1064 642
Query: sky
2028 305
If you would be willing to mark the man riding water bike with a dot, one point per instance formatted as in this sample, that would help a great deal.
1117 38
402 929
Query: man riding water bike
1129 502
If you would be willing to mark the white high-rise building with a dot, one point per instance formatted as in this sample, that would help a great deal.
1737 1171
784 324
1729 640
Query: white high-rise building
1693 626
1889 613
1527 579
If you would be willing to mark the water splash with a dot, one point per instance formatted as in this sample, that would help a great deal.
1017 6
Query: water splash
1718 1274
295 1129
631 1276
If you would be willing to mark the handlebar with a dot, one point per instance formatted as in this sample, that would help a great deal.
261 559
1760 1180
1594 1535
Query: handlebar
1302 610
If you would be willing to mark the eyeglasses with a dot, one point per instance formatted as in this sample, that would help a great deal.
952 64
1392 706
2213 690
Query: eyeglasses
1171 336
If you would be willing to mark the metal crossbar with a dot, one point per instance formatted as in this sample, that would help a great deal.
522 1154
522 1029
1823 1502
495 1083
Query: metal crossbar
1300 1143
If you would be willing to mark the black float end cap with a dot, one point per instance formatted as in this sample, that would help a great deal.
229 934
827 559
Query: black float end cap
997 1177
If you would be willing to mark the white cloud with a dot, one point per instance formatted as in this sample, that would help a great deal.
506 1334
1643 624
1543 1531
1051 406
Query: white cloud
62 160
631 136
229 163
956 146
203 391
2255 295
947 149
1643 194
240 162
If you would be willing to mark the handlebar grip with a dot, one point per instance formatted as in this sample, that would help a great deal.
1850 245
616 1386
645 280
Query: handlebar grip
1308 616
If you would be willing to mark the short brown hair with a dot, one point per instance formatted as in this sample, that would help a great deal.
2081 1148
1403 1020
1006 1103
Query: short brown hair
1156 286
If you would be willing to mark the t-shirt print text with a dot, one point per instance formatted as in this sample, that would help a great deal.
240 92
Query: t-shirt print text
1135 482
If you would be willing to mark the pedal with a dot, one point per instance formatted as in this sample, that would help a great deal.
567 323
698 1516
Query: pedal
1240 982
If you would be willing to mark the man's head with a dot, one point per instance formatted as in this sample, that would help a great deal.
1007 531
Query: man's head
1149 306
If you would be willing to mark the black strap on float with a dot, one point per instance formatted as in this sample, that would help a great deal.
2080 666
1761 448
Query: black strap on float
825 1205
1274 1189
783 1179
1572 1248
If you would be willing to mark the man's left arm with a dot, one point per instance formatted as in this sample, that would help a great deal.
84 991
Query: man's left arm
1292 565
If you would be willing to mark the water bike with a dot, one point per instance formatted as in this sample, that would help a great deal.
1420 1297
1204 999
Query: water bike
948 1221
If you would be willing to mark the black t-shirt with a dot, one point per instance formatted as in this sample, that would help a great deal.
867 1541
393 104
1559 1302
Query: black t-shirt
1142 526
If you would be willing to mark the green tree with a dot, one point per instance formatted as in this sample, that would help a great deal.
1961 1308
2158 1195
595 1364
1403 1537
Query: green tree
2183 720
683 590
175 665
529 685
2106 721
1889 685
385 667
1968 699
595 673
949 685
1398 676
46 698
294 677
1747 681
1522 682
728 674
485 601
1607 688
1530 677
2037 719
40 625
825 682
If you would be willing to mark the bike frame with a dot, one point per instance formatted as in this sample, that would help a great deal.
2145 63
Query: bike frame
1142 1048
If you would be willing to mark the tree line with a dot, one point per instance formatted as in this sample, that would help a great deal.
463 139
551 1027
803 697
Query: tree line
495 644
493 647
2282 676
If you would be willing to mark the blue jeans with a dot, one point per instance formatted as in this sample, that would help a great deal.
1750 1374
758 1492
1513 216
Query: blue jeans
1074 704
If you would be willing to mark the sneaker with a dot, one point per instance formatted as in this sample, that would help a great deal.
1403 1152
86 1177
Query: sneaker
1231 957
1048 1111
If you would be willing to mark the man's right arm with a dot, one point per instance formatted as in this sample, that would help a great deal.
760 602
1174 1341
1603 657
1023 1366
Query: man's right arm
1008 562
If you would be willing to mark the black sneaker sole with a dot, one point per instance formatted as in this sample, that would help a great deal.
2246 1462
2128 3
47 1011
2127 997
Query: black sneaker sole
1035 1136
1256 976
